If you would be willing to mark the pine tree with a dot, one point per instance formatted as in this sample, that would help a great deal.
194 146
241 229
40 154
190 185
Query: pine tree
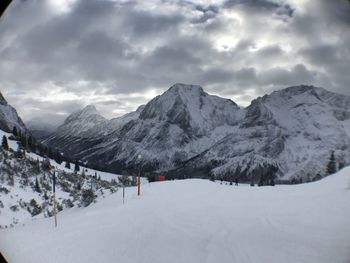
252 181
58 157
87 197
46 197
14 131
332 165
4 143
37 186
212 177
30 142
76 167
67 165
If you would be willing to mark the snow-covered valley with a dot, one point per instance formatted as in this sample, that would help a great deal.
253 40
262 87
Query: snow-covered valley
196 221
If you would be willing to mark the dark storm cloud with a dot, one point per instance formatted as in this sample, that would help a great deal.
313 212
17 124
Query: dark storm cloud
118 54
258 4
262 5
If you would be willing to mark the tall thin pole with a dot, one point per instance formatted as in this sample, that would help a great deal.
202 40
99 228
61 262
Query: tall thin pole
138 178
54 197
54 208
123 191
138 184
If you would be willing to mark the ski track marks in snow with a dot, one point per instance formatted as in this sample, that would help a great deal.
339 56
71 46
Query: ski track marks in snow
197 221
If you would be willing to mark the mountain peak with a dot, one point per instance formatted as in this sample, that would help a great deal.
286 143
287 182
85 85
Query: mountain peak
86 111
191 108
90 109
181 87
2 100
89 113
298 90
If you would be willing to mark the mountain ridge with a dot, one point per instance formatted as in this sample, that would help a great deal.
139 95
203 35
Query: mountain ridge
9 117
185 126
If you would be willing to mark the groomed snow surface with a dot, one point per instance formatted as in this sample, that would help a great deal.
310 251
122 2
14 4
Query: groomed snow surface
196 221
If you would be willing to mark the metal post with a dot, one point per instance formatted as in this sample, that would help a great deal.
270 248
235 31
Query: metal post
138 178
54 208
123 191
138 184
54 197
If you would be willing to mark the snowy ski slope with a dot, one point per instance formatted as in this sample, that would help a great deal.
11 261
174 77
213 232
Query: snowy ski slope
196 221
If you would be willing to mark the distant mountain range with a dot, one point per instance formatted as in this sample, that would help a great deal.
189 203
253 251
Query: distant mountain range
186 132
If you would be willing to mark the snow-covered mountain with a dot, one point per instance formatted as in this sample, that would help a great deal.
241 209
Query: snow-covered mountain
187 132
9 117
290 133
81 130
171 128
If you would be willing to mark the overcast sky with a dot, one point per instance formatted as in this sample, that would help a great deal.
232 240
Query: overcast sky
57 56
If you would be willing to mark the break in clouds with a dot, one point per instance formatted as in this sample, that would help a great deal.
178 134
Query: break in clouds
57 56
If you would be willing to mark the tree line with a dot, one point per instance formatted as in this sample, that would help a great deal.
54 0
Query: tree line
27 143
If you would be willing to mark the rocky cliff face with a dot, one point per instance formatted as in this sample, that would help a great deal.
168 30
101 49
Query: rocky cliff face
289 133
185 131
9 117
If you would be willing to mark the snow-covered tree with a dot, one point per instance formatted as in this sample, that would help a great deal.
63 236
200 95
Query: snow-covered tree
14 131
76 167
4 143
87 197
37 185
67 165
252 181
34 208
332 165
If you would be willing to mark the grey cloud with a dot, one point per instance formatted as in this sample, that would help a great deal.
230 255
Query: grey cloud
270 51
142 23
328 46
171 57
119 47
280 76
